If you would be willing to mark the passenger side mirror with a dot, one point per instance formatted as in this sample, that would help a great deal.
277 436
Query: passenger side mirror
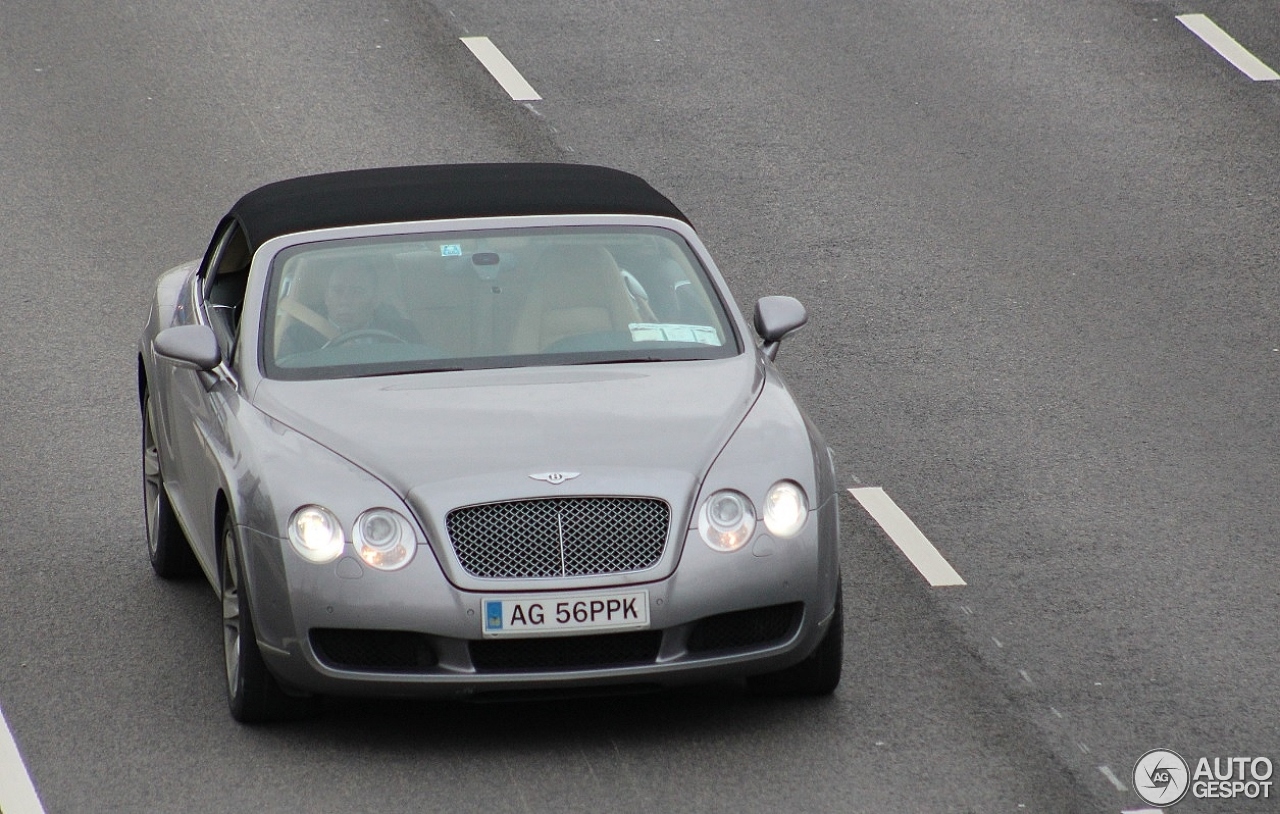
775 319
190 345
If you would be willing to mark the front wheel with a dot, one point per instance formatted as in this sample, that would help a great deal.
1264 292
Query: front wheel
819 674
253 694
167 546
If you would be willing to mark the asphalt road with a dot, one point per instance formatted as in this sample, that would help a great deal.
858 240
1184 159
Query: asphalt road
1039 246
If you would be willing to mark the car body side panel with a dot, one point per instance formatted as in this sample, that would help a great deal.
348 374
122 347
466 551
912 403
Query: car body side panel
777 432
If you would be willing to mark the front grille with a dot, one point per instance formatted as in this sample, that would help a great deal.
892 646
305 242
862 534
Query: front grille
559 537
566 653
373 650
745 628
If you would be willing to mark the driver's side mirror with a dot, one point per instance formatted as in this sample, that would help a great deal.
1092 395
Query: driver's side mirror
190 345
776 318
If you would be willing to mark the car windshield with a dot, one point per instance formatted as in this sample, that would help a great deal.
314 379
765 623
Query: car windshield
495 298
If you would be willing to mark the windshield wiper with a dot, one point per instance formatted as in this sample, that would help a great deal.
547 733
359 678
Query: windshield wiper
628 360
409 372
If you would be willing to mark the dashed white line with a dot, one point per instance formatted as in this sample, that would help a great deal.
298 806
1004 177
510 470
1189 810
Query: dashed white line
1230 50
1115 781
501 69
17 794
906 536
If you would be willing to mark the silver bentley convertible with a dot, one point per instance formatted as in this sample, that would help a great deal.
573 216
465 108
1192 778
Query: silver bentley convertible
482 429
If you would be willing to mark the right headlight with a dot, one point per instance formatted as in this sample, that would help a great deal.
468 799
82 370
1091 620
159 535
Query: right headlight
316 534
384 539
726 520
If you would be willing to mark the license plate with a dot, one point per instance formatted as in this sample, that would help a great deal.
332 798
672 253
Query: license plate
539 614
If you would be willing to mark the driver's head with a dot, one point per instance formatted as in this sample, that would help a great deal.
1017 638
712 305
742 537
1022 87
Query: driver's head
350 295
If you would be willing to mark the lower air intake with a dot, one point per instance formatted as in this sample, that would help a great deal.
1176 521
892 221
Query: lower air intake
745 628
389 651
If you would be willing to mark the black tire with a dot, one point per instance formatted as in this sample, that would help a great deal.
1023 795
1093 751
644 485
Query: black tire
253 694
819 673
167 546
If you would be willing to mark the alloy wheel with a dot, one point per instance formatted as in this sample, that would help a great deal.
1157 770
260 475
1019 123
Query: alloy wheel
151 478
230 589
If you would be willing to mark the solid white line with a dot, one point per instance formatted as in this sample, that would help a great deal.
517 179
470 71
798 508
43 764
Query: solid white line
501 69
17 794
1228 48
907 536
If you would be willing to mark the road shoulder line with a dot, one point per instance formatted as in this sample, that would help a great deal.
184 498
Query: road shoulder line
17 793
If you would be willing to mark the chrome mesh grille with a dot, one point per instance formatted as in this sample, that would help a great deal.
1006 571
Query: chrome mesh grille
559 537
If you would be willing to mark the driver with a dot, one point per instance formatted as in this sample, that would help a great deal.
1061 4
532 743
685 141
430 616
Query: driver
350 304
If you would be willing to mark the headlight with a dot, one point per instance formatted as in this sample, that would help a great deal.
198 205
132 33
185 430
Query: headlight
785 509
726 520
384 539
316 534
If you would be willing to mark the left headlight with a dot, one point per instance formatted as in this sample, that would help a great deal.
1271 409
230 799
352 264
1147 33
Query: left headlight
726 520
785 509
384 539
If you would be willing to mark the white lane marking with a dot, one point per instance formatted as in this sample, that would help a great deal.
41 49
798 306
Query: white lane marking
1228 48
17 794
501 69
1110 775
907 536
1143 811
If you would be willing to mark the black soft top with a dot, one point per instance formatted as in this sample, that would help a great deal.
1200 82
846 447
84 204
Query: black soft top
396 194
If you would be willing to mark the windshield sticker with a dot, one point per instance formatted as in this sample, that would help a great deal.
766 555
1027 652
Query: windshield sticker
451 250
664 332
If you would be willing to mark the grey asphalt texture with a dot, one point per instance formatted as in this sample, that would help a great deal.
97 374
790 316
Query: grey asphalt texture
1039 247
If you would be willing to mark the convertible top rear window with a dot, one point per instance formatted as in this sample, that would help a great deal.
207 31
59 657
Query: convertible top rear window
493 298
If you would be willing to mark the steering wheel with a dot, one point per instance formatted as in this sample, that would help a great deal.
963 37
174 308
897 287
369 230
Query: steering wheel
364 333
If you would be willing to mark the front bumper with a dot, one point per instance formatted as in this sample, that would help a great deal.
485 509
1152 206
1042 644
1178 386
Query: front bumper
342 629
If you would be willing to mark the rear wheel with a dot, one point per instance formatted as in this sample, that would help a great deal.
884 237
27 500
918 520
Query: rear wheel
253 694
167 546
819 674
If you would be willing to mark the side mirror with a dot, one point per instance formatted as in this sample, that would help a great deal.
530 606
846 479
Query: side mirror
775 319
190 345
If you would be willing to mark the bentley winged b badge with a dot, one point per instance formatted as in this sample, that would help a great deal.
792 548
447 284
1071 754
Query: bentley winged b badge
555 478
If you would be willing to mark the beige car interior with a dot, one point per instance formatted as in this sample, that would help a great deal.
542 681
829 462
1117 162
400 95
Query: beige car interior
465 306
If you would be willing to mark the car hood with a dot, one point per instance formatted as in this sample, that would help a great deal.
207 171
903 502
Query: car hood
481 434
